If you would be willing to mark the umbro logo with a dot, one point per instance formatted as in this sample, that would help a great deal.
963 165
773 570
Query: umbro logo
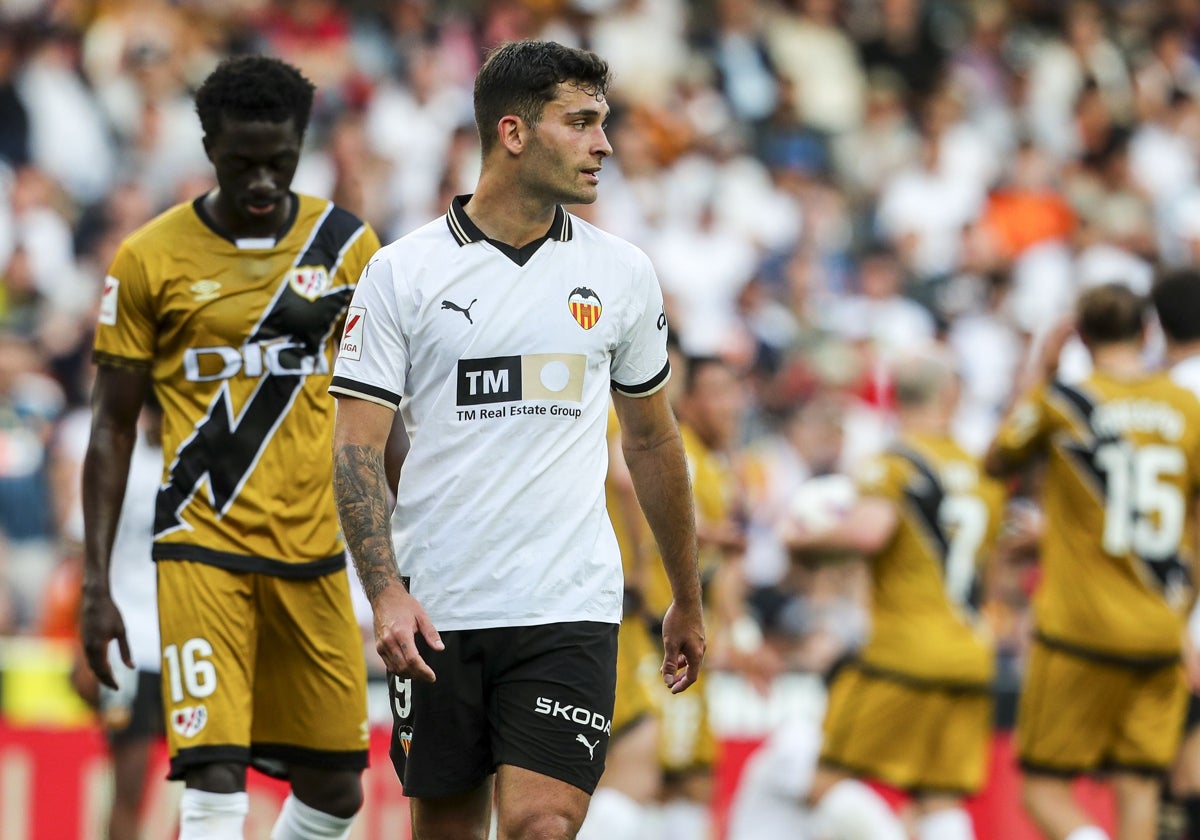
449 304
205 290
591 747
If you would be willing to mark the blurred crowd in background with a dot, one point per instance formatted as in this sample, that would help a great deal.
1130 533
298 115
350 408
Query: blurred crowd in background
819 183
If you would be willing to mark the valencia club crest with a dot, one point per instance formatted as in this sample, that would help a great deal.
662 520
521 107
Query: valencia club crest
585 306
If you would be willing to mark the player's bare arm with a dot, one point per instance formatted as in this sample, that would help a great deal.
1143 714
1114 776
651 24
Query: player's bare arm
658 467
866 528
116 402
360 488
999 461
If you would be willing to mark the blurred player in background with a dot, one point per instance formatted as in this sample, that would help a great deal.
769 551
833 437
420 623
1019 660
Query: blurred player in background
914 708
709 403
1176 296
622 808
228 307
1104 688
132 714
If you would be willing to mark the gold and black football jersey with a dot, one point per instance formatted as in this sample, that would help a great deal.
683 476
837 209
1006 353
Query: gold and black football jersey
715 492
238 338
925 582
632 532
1119 493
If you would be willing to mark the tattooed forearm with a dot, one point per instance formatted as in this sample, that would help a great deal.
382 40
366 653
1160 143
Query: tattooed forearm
360 487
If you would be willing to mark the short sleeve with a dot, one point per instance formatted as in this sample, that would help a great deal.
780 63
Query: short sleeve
639 365
372 357
126 328
360 253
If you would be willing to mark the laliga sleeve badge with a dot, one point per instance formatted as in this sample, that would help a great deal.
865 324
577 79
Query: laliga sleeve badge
352 336
108 302
585 306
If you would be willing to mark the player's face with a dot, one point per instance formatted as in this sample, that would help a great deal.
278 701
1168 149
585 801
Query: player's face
254 162
716 405
567 148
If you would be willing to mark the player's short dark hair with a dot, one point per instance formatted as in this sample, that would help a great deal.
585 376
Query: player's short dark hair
254 87
696 365
1176 296
520 77
1109 314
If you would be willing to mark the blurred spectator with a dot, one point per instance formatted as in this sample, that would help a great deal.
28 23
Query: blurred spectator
902 41
30 402
820 63
703 268
980 70
737 47
880 313
885 142
69 138
1167 67
1081 54
410 125
643 41
924 208
14 117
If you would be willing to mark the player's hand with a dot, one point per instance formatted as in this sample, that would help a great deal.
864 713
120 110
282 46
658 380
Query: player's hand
683 646
399 619
99 623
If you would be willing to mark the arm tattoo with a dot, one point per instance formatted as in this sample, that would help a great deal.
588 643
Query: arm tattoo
360 487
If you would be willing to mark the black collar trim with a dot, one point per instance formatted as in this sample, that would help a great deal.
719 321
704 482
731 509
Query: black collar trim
211 223
466 231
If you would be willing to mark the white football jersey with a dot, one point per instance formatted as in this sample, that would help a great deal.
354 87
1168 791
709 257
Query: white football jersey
501 361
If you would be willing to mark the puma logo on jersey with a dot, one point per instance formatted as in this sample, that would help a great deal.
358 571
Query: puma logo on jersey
591 747
449 304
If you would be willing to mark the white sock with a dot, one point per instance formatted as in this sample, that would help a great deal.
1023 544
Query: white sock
948 824
684 818
204 815
298 821
1088 832
612 816
852 811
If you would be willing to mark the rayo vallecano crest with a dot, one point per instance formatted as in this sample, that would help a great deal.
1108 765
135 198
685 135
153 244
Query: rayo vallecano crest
585 306
308 281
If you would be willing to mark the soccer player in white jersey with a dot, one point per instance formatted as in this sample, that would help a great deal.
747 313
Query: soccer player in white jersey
498 332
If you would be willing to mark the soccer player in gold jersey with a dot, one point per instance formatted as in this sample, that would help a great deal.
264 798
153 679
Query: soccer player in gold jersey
1104 688
914 708
229 307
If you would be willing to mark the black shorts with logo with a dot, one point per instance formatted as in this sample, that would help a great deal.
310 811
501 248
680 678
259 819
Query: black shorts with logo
538 697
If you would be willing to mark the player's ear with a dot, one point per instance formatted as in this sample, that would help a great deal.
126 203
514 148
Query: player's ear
513 133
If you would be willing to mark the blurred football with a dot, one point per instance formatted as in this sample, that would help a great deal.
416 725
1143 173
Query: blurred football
819 503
